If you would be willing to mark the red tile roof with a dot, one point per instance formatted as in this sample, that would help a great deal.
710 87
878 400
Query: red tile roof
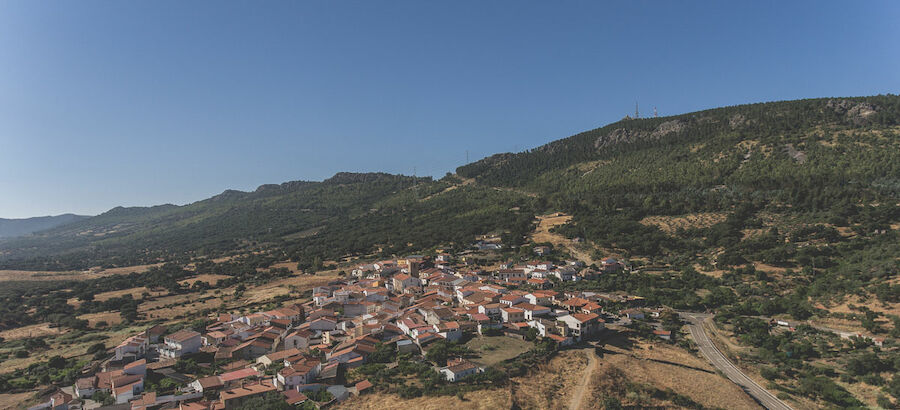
363 385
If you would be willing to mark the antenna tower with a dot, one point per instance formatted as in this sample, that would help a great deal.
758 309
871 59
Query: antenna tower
636 113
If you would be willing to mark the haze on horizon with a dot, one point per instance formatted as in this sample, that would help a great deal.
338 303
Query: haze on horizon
107 104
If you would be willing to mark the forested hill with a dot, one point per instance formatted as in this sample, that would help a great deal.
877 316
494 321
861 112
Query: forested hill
739 129
10 228
805 168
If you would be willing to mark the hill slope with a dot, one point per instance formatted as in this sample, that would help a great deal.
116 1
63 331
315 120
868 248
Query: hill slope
343 214
10 228
749 168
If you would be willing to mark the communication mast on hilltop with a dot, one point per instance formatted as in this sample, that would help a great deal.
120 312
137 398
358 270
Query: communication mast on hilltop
655 114
636 113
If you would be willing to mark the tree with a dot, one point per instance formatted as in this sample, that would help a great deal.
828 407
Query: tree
57 362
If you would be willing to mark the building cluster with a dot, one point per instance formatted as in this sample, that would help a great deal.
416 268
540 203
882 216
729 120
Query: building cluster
405 305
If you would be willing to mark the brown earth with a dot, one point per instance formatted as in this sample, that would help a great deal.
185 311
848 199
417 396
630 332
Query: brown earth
38 330
14 400
665 366
552 384
111 318
212 279
93 273
481 400
542 234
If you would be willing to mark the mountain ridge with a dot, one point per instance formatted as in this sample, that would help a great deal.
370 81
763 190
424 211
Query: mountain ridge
13 227
713 160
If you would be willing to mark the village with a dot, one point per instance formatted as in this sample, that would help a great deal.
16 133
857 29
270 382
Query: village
303 352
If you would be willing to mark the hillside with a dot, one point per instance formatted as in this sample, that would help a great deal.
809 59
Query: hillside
294 215
819 164
778 224
10 228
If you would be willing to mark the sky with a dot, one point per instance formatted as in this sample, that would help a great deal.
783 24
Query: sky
138 103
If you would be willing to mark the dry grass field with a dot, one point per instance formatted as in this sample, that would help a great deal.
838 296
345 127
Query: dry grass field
14 400
93 273
550 386
111 318
477 400
16 275
495 349
38 330
126 269
185 305
542 234
667 367
212 279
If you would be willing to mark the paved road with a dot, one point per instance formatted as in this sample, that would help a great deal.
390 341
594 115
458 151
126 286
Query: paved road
578 395
712 353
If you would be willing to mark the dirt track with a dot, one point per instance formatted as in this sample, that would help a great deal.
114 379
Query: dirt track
578 395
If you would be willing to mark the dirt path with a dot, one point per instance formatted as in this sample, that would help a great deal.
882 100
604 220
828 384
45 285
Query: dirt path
542 234
578 395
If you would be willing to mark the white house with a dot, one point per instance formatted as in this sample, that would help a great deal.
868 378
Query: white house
449 330
582 325
180 343
530 311
458 368
133 348
299 373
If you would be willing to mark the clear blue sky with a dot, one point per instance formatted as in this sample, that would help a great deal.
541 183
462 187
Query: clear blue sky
138 103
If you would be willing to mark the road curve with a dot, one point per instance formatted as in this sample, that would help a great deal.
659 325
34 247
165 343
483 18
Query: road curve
712 353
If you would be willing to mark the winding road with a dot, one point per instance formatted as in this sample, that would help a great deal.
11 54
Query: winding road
712 353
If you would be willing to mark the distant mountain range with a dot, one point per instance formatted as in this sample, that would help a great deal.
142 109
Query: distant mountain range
11 228
768 168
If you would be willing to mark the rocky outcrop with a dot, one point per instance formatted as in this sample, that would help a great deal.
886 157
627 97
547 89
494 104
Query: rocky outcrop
624 135
856 112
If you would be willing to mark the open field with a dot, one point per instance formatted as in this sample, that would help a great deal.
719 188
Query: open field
174 306
111 318
552 383
480 400
38 330
665 366
126 269
14 400
212 279
495 349
94 273
16 275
